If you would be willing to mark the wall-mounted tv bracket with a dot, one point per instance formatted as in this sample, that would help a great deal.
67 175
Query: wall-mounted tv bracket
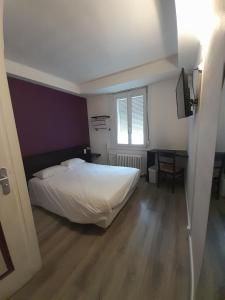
194 102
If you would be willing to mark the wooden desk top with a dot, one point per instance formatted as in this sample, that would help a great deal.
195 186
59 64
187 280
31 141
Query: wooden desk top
182 153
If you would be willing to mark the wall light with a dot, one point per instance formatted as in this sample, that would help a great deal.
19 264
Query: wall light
196 20
200 66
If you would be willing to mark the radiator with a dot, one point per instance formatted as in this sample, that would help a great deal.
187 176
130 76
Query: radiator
129 160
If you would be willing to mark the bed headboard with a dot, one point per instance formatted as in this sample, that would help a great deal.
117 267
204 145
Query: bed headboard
41 161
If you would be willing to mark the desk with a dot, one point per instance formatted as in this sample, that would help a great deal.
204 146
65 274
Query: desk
220 156
151 157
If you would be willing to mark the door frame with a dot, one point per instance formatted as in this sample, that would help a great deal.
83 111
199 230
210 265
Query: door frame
17 174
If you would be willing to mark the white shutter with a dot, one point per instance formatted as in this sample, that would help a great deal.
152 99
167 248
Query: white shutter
130 118
122 121
137 120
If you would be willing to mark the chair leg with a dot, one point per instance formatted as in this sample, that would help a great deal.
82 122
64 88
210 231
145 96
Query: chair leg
218 190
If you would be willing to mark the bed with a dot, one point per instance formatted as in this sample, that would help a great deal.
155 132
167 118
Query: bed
85 193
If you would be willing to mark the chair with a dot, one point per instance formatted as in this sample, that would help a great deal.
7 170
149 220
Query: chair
167 166
217 172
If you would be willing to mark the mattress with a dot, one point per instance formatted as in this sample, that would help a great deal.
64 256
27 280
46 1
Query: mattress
85 193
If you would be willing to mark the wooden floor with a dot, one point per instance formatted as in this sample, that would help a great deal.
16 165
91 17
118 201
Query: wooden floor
142 255
212 279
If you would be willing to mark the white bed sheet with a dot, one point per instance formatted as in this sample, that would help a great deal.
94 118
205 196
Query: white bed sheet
85 193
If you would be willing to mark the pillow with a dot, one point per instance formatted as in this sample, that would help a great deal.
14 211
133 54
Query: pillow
72 162
51 171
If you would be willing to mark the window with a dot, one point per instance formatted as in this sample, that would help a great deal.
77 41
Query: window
130 117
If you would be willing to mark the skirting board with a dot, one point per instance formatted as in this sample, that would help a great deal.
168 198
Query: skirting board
192 289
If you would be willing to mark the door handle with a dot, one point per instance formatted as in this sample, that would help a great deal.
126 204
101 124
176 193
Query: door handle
4 181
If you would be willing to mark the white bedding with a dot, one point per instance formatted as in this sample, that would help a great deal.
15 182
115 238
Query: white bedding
85 193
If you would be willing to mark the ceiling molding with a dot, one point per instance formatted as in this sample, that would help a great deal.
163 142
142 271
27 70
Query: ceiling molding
132 78
15 69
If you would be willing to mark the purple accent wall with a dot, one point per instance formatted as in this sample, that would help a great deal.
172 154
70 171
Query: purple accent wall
47 119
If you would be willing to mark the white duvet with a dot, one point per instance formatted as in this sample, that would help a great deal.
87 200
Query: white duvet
85 193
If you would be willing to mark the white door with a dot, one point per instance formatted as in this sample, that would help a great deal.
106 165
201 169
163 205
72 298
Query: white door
20 259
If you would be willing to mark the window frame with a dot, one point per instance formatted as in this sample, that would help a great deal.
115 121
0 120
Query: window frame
129 94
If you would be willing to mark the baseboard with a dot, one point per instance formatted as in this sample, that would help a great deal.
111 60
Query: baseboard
192 296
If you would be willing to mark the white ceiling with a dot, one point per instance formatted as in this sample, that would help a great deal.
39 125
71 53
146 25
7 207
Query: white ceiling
81 40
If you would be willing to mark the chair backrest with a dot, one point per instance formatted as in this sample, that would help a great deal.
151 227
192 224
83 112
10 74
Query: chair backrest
166 158
218 165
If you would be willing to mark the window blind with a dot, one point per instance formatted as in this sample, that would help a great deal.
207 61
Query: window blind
130 121
137 120
122 121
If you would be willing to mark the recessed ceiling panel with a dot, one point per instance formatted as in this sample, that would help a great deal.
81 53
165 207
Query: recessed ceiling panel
81 40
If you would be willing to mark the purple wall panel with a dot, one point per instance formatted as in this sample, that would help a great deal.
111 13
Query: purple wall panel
47 119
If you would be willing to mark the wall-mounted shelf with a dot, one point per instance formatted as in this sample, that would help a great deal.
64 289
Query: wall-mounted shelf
100 122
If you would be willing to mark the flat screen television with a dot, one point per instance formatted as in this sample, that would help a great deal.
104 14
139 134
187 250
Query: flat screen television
184 104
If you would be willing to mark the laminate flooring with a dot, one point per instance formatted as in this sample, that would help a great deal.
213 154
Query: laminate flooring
142 255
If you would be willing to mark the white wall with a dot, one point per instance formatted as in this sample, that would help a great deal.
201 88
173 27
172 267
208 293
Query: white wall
220 143
166 131
202 142
190 178
100 140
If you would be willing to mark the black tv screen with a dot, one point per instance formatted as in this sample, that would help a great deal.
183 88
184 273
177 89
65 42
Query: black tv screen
183 97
